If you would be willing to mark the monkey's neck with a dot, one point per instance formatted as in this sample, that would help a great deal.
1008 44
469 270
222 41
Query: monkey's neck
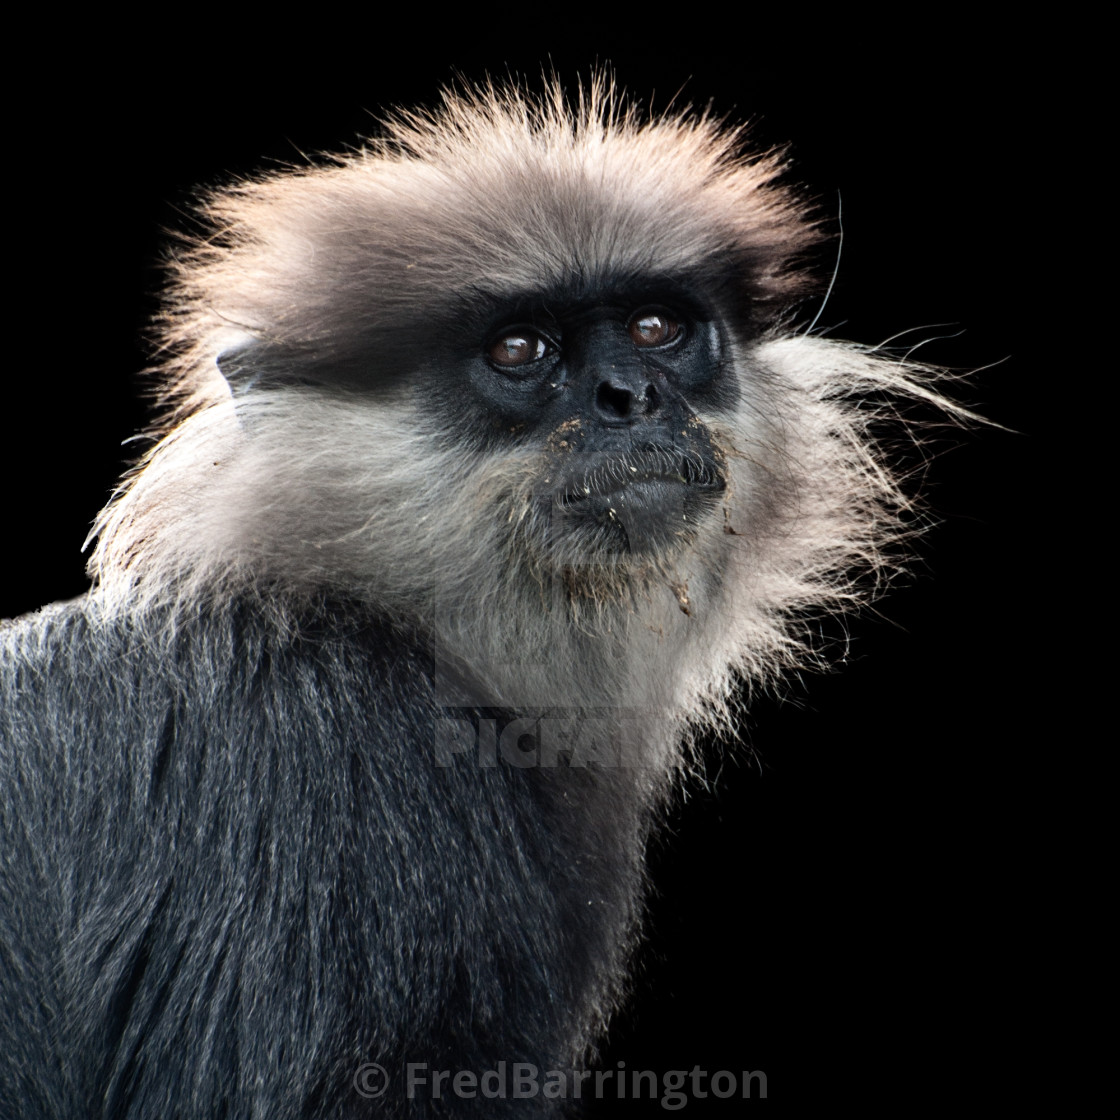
544 650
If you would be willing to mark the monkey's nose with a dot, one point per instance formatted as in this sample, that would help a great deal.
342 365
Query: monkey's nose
619 400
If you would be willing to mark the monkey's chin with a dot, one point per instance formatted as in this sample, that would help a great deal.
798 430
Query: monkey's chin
646 518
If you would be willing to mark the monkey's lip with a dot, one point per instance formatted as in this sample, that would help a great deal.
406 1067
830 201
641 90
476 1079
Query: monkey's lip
631 485
640 510
652 468
648 513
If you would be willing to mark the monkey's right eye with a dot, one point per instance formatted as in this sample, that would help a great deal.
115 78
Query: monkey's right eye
518 347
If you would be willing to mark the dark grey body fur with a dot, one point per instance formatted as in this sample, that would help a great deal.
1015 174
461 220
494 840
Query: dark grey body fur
270 918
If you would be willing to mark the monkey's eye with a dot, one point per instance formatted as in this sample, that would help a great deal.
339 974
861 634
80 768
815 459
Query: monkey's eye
518 347
653 328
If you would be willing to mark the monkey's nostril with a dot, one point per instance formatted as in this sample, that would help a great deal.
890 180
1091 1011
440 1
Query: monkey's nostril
614 401
620 402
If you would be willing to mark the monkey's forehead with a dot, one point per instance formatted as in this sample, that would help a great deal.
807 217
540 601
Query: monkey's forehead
510 212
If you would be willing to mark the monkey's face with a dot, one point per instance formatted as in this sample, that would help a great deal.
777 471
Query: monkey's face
526 336
604 390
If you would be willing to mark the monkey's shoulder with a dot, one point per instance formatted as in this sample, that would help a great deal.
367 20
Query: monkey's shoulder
78 673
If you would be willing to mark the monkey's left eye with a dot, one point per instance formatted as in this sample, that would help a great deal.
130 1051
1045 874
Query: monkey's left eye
518 347
653 328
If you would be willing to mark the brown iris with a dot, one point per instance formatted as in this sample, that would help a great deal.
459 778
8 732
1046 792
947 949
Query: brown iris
517 348
653 328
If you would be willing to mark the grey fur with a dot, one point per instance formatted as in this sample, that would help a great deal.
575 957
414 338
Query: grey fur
242 855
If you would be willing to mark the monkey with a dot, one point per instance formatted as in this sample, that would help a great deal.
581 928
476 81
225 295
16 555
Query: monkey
492 468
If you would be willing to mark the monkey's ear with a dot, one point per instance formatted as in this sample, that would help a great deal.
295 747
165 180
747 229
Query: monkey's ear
250 364
240 365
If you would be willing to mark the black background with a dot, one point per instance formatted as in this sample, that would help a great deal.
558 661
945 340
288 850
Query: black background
851 905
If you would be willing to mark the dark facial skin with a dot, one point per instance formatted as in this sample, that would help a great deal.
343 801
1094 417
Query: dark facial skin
610 387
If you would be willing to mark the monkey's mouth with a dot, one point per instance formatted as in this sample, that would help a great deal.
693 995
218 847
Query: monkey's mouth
644 501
